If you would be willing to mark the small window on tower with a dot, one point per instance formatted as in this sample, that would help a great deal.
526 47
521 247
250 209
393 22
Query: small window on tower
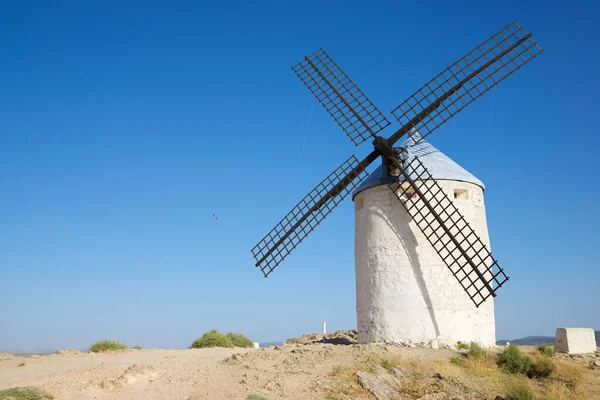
406 193
460 194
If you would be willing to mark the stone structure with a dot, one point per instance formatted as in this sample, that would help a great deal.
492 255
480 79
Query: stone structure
404 292
575 340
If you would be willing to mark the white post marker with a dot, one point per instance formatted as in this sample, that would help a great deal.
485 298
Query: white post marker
324 328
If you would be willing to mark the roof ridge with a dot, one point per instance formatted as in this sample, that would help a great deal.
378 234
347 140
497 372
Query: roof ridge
440 166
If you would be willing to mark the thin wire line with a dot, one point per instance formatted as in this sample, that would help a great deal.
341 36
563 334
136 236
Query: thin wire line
305 135
487 141
332 258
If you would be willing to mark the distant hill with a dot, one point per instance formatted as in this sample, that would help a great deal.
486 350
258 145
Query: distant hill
31 352
539 340
529 341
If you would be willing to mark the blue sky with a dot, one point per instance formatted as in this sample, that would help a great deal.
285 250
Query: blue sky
124 127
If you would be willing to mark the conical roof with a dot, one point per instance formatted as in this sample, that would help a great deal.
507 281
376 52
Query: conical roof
440 166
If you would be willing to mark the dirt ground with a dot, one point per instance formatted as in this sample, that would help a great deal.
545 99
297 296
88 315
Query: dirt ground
293 371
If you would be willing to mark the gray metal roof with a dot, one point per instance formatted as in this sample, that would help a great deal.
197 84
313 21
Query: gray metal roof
439 165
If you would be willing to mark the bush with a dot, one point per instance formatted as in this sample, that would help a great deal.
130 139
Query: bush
240 340
462 346
212 339
24 393
541 368
460 361
107 345
256 397
137 347
511 360
476 351
547 351
387 364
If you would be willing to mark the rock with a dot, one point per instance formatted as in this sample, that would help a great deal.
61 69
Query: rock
337 340
597 363
435 344
68 351
343 337
377 388
435 396
437 375
381 385
129 376
399 371
575 340
233 359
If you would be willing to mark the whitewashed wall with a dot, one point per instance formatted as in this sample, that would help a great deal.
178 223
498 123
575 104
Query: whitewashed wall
404 291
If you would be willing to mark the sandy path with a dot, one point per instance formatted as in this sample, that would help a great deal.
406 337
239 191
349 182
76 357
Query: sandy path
292 372
132 374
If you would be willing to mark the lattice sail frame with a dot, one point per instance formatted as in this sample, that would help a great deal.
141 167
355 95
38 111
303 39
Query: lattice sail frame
291 230
343 100
472 87
458 226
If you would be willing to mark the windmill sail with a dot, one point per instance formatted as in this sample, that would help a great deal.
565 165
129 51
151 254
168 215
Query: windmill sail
465 80
446 229
344 101
309 213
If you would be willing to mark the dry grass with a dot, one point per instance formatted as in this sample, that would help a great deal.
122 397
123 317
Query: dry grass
581 381
556 390
345 383
475 376
517 387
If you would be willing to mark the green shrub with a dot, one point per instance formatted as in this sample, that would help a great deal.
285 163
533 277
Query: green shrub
137 347
511 360
240 340
387 364
476 351
547 351
541 368
256 397
462 346
460 361
107 345
212 339
24 393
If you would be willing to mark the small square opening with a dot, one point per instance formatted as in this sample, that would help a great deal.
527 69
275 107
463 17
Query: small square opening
407 193
460 194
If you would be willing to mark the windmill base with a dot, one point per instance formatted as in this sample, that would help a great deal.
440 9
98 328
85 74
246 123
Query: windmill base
405 294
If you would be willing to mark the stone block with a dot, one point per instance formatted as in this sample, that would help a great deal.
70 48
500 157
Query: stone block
575 340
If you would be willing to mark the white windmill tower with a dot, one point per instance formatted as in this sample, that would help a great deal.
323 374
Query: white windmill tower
423 264
405 293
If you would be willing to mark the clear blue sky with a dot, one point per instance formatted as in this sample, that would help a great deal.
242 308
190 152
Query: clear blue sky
124 127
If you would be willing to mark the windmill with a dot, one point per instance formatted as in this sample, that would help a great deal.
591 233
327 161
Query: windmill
426 205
